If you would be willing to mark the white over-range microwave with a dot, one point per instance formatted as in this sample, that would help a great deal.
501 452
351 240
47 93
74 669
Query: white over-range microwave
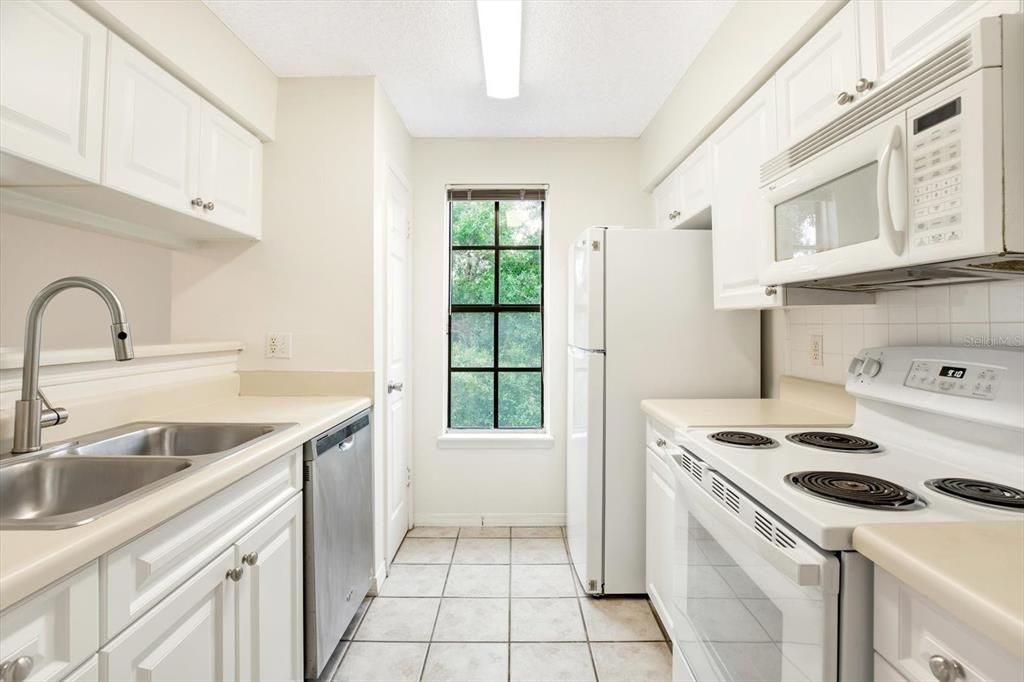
920 184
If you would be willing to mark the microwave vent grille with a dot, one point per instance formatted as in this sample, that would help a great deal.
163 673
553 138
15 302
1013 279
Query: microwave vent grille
953 61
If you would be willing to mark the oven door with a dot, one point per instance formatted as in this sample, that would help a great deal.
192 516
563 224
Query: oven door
845 212
752 600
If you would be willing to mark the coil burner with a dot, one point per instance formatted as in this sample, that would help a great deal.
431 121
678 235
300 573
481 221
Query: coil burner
855 490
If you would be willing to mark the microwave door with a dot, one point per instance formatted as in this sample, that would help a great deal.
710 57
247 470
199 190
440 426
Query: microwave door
746 607
842 213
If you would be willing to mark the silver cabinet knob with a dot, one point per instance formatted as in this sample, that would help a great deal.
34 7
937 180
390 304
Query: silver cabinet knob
660 442
235 574
251 558
198 202
395 386
208 206
945 669
844 98
16 670
673 215
770 291
863 85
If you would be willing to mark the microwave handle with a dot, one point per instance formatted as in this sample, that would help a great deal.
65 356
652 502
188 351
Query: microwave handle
896 237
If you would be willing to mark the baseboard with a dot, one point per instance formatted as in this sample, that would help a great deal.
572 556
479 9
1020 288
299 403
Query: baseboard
379 576
497 519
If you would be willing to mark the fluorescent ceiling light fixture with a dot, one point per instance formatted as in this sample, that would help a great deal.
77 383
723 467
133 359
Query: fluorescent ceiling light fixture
501 29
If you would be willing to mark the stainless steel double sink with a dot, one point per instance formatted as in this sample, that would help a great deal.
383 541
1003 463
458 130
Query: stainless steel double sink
74 483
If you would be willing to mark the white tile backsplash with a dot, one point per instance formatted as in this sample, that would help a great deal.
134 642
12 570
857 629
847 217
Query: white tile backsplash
984 314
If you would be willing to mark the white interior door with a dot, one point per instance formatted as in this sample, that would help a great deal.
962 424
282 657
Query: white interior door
397 413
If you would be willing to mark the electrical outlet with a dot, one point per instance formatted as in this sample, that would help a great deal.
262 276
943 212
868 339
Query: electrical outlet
279 346
815 350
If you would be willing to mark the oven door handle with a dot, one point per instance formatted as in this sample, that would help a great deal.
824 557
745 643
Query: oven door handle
789 562
895 236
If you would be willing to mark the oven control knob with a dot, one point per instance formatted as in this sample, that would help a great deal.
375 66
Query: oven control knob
855 365
871 367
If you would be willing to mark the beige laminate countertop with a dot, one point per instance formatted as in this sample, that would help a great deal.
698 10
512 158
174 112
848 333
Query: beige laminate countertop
32 559
690 413
977 566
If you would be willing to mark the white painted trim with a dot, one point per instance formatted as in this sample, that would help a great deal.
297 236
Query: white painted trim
497 519
379 576
11 358
496 441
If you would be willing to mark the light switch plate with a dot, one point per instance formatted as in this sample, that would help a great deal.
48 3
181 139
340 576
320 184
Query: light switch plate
278 346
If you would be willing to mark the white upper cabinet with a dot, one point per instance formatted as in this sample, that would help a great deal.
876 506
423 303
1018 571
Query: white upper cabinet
230 173
897 34
819 82
151 149
685 192
52 62
739 231
666 202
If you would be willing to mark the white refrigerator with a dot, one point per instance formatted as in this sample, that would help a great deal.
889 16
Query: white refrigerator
641 325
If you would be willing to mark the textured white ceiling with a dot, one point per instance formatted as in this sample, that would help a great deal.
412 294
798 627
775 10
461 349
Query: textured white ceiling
598 68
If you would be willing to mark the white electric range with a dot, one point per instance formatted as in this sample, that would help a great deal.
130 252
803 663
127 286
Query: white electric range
766 585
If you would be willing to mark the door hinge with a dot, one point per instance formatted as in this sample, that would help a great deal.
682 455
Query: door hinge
408 477
595 245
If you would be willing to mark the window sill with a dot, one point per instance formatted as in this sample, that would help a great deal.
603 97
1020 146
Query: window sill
496 441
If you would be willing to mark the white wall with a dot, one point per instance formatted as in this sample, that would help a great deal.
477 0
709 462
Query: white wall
190 41
592 182
981 314
34 253
312 274
755 38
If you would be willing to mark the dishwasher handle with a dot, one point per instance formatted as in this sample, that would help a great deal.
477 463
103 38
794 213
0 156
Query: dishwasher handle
340 438
347 444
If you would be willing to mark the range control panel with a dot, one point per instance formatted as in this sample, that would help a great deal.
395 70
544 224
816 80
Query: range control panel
936 209
955 378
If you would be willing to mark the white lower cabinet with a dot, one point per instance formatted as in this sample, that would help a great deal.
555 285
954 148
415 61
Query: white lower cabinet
659 529
188 636
913 635
270 597
47 635
87 672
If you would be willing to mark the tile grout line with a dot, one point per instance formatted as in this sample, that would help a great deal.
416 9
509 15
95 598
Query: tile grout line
440 601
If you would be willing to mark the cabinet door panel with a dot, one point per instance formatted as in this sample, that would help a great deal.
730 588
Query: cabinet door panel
739 231
230 172
87 672
52 62
808 85
695 183
666 202
58 628
270 598
151 148
188 637
660 518
897 34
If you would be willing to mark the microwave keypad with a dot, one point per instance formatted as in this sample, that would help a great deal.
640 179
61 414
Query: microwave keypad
936 207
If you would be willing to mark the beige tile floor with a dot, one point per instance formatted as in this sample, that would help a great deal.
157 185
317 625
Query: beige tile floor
492 603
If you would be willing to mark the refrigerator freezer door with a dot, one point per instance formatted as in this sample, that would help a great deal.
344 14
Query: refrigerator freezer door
586 291
585 467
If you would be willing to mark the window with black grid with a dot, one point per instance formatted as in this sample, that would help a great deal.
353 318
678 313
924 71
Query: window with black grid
496 309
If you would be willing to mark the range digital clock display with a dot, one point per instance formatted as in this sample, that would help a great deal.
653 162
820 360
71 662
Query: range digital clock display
952 372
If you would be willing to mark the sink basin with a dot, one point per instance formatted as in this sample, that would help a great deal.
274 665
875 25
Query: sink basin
73 483
59 492
171 440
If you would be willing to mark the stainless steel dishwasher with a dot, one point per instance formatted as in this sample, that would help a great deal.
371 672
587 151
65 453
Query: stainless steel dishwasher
338 533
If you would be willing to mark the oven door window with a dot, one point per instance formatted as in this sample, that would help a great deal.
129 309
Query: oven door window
739 617
841 212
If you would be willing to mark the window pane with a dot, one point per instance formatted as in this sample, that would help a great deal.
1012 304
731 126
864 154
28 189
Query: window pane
472 339
519 340
519 223
473 223
519 400
472 400
472 277
520 277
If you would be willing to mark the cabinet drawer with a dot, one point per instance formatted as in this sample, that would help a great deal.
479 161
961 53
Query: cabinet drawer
139 574
910 629
58 628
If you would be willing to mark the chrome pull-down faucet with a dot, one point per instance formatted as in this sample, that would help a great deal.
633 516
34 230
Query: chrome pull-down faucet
30 417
